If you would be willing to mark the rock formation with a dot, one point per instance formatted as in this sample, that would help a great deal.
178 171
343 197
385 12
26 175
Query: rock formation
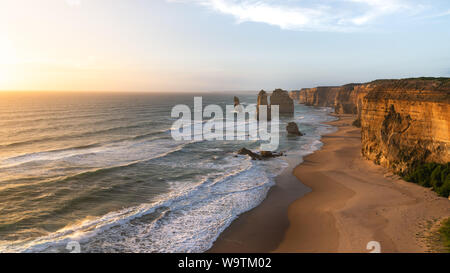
278 97
292 129
281 97
245 151
295 95
403 122
262 100
266 154
345 99
261 155
406 122
236 101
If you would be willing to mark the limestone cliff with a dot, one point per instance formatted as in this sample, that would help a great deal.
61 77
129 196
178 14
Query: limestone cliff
294 95
318 96
349 98
345 99
403 122
406 122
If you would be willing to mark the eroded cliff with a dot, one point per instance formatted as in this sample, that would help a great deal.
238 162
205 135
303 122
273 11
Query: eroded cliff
403 122
345 99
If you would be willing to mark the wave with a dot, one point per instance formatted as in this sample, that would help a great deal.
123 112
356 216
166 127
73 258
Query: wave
73 151
126 163
32 156
63 125
206 199
72 136
188 217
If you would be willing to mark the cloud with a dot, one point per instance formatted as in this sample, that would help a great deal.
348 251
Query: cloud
442 14
378 8
319 15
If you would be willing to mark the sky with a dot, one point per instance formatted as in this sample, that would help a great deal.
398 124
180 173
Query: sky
218 45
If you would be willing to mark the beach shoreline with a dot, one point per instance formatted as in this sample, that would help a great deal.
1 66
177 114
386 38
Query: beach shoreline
342 203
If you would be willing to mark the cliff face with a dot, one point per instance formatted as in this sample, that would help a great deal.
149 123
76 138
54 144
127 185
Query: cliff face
295 95
406 122
403 122
345 99
318 96
349 98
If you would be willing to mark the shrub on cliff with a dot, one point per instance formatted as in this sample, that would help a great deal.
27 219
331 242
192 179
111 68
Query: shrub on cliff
444 231
434 175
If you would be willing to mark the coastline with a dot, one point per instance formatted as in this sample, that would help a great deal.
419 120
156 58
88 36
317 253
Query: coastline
352 202
261 229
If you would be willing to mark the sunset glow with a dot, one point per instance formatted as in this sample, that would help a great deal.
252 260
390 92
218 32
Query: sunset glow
250 127
165 45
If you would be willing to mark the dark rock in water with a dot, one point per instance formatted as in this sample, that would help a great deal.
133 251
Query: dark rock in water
269 154
266 154
236 101
292 129
253 155
261 155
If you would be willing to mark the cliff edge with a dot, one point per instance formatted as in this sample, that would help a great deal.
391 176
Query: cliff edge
404 122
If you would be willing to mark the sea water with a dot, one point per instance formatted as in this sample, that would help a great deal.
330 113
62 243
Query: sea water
102 169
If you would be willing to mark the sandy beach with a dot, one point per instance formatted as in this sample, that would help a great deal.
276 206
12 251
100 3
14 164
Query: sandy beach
343 202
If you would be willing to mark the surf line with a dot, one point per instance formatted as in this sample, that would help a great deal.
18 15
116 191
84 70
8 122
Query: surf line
188 128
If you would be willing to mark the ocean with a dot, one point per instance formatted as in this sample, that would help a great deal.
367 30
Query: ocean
102 169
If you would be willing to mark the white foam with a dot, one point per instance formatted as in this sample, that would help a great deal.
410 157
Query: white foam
189 218
192 218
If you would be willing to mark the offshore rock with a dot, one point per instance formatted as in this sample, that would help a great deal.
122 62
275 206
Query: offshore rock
292 129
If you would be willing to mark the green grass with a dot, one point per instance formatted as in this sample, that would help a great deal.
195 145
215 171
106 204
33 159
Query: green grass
440 79
432 175
444 231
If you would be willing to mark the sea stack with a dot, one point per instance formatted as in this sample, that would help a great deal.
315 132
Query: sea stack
262 100
281 97
292 129
236 101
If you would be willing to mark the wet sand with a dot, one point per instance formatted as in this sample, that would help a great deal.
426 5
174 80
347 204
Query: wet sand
342 203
